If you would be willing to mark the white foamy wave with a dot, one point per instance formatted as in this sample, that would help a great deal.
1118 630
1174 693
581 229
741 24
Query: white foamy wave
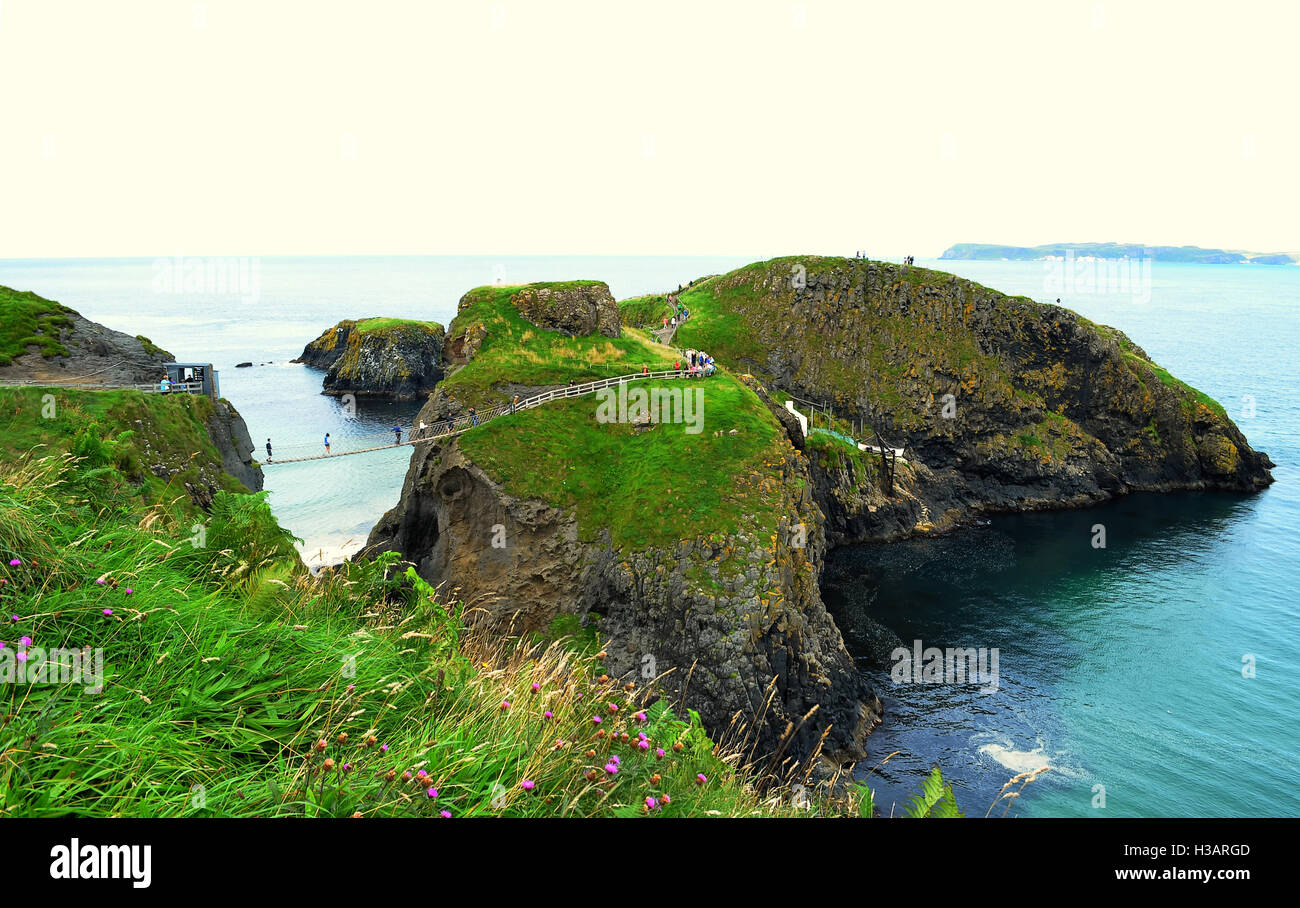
1017 761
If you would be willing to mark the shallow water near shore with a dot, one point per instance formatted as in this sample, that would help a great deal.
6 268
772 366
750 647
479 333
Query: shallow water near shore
1118 667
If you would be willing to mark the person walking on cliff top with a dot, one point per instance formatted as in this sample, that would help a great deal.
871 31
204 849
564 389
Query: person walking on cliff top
268 450
327 443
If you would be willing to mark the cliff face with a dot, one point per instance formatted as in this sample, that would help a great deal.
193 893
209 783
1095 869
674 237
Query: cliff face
387 358
734 624
574 307
67 346
999 402
229 433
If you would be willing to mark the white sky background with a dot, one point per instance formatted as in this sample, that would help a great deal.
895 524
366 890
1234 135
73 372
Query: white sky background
273 127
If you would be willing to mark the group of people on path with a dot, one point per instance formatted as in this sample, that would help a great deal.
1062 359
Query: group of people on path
680 313
698 364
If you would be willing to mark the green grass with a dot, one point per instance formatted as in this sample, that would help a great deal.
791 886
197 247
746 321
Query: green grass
649 487
27 319
645 311
379 323
516 351
231 676
169 429
736 317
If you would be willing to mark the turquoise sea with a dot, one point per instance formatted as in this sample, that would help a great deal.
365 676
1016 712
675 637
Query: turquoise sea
1119 668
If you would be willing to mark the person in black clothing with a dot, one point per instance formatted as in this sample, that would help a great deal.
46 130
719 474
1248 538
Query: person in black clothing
268 449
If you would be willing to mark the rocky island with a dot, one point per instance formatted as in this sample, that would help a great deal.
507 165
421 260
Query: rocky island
698 556
388 358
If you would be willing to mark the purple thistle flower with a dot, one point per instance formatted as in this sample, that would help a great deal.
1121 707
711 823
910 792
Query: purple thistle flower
99 581
548 715
536 687
611 768
526 784
595 720
446 814
15 562
129 591
25 640
651 803
701 778
659 752
644 745
422 774
432 793
22 657
108 611
640 717
383 748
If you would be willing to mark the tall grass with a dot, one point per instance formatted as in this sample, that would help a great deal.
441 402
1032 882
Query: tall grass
237 684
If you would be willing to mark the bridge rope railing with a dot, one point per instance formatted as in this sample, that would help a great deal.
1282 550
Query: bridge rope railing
457 425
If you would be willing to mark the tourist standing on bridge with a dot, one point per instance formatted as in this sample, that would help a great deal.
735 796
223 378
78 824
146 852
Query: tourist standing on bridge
268 450
327 442
473 416
165 386
419 433
514 402
397 434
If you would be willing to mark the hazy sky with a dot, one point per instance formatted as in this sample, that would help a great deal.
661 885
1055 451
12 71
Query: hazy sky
228 127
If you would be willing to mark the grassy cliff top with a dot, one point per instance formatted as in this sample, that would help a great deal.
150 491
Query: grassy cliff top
380 323
515 351
128 432
648 485
27 319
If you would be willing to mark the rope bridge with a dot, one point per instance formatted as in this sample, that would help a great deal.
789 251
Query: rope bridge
461 424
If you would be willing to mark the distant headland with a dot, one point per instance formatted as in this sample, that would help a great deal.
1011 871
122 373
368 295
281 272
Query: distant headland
1185 254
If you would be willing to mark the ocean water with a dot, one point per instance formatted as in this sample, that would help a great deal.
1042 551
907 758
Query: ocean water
1118 667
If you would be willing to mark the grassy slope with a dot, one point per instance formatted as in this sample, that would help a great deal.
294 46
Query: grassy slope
139 428
225 663
30 319
649 487
725 317
516 351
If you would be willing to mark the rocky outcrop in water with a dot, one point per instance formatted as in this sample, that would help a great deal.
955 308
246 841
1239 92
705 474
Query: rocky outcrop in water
385 358
1001 403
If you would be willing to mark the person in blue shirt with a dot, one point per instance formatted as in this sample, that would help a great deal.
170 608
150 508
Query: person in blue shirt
327 442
